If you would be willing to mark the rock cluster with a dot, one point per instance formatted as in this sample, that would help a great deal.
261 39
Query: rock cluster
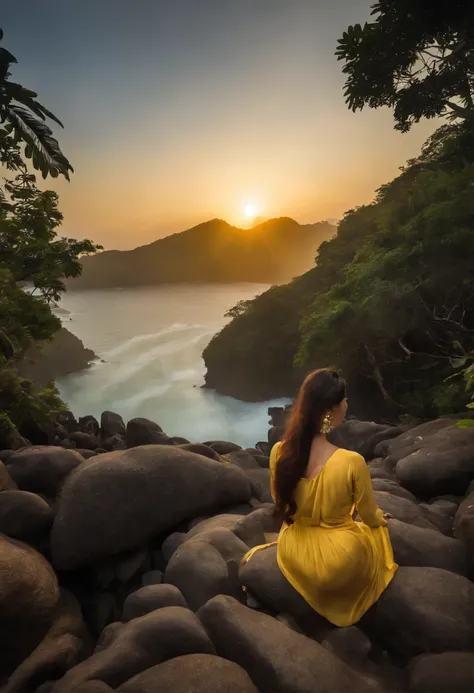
121 567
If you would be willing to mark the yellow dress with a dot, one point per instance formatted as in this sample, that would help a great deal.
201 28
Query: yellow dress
340 567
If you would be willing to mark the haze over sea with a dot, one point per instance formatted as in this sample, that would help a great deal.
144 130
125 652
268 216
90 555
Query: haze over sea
151 341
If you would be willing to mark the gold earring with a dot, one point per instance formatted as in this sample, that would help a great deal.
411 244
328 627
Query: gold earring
327 424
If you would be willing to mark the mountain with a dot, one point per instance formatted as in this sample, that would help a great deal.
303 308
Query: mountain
272 252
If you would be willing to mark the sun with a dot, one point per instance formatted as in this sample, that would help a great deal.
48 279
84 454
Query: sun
250 211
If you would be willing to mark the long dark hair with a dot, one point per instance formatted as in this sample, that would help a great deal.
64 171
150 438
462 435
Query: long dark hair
321 390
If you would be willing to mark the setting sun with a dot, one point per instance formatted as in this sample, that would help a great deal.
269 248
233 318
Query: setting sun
250 211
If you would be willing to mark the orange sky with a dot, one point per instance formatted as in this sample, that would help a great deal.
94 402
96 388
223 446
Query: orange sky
176 114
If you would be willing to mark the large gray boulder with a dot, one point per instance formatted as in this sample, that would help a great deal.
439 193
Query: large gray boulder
464 529
438 464
120 500
418 546
150 598
42 469
207 564
263 579
275 657
65 643
423 610
449 672
403 509
111 424
125 650
145 432
24 515
6 482
196 673
29 594
362 436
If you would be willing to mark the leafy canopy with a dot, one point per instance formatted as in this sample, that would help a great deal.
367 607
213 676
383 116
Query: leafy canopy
23 122
416 57
34 259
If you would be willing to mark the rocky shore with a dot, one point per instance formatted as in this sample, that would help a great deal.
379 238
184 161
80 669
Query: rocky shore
121 568
64 355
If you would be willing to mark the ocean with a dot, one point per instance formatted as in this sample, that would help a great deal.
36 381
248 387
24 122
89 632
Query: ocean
150 342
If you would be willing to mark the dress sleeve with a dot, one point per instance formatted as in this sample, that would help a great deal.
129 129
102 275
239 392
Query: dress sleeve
364 500
273 460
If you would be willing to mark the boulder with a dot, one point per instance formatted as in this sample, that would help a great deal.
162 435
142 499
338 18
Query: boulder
85 441
120 500
362 436
449 672
66 642
464 521
441 516
116 442
13 440
152 577
6 482
464 529
443 463
87 454
145 432
275 657
24 515
391 486
423 610
42 469
127 650
403 510
396 448
89 424
150 598
178 440
111 424
171 543
382 469
260 483
275 434
201 449
222 447
207 564
28 597
418 546
263 580
196 673
243 460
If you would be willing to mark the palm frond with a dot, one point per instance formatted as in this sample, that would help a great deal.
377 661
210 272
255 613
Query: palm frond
27 98
44 149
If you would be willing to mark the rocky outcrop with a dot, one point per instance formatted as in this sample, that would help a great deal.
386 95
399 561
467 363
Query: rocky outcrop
147 544
64 355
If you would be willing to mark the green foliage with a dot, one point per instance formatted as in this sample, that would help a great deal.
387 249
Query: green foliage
240 308
34 260
416 57
23 121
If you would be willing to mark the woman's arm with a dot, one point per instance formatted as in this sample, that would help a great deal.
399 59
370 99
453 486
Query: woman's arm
273 461
364 500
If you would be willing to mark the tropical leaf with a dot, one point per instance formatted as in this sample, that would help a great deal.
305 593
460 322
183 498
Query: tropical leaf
36 134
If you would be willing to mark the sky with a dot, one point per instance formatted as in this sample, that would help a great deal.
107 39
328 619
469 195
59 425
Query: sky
181 111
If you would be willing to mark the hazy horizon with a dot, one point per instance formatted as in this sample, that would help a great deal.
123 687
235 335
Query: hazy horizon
178 113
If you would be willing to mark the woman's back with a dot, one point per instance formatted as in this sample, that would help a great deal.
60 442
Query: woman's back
338 565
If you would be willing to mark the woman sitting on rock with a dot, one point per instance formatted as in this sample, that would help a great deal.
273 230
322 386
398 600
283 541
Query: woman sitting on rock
340 566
